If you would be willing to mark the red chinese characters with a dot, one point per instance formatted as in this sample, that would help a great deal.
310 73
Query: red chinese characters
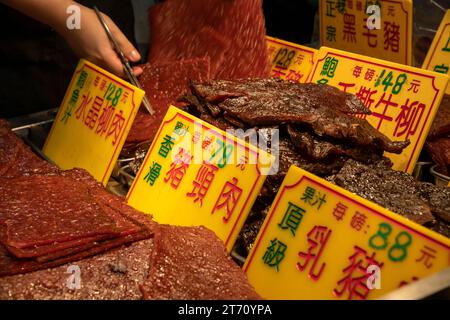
104 120
178 168
228 199
408 119
92 116
391 36
317 240
81 110
349 31
202 182
358 221
354 283
102 117
339 211
116 127
382 112
427 256
372 39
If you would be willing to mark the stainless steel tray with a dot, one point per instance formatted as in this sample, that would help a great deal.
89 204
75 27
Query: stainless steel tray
34 128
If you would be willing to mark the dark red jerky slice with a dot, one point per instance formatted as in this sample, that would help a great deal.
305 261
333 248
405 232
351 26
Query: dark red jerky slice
192 263
142 220
209 43
146 225
110 203
41 209
247 55
71 250
220 90
113 201
175 24
319 148
10 265
163 84
53 248
439 149
441 122
144 126
113 275
16 157
260 102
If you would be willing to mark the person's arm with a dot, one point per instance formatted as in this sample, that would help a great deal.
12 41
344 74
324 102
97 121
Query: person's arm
90 41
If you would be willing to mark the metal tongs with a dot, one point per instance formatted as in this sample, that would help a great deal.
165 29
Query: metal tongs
124 60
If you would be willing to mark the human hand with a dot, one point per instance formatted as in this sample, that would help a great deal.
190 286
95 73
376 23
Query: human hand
91 42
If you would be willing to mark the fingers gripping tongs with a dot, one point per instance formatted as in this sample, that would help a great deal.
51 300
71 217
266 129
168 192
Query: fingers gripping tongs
124 60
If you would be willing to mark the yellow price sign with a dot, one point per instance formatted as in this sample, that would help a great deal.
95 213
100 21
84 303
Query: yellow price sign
290 61
438 57
403 99
388 35
320 241
93 121
196 174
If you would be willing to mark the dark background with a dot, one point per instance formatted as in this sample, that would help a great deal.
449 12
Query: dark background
36 64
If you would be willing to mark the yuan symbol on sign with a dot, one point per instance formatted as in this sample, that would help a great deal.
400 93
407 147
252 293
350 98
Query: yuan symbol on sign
427 257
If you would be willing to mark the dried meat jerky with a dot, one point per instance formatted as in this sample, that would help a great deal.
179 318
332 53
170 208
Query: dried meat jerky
10 265
394 190
177 31
262 103
58 218
247 57
440 226
438 199
209 43
441 122
219 90
116 274
318 148
39 210
16 158
163 84
192 263
288 156
439 149
55 249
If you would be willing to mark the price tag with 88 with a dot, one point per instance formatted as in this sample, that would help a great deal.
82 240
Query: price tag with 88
320 241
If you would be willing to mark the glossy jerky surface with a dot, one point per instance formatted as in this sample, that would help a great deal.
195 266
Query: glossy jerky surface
266 102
